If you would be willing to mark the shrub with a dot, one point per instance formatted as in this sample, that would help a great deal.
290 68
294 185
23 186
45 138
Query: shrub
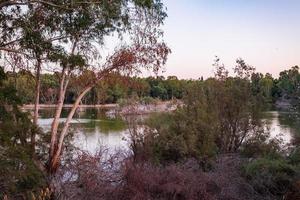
145 181
294 157
260 145
19 173
173 137
147 100
96 177
270 176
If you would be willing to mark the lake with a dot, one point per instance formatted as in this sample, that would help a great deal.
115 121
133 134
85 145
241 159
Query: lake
284 124
93 127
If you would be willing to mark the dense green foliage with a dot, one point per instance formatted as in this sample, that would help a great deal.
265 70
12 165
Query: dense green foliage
272 172
272 176
19 175
265 89
111 90
284 89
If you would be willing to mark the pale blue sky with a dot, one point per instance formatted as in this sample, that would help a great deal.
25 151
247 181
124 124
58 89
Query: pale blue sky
266 33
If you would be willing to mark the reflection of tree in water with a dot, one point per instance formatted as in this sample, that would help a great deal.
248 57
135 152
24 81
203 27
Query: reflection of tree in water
99 120
50 112
268 118
90 113
83 113
291 120
105 125
282 124
89 120
46 113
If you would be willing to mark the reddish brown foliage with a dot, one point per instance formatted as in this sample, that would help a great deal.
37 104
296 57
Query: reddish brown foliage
96 177
117 176
146 181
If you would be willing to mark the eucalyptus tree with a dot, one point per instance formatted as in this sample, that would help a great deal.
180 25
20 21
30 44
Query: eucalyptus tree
27 33
88 27
68 35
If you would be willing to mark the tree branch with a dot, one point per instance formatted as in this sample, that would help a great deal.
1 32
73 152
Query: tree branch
13 51
66 6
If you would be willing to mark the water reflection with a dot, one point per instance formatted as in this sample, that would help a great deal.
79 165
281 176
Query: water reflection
283 124
92 128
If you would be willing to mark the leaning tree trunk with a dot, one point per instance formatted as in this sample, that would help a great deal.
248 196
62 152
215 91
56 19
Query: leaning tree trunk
37 101
61 97
60 102
54 159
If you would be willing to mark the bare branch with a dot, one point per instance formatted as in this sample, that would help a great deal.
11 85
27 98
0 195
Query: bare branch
14 51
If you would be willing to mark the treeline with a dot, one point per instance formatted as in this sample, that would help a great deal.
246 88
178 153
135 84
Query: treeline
110 90
116 87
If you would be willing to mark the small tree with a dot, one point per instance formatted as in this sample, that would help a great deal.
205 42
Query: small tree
235 106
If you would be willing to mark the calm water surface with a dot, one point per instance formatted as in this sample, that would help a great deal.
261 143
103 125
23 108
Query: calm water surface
285 125
93 128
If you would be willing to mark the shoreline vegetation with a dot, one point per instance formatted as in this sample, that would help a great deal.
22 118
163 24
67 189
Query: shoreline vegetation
209 144
194 147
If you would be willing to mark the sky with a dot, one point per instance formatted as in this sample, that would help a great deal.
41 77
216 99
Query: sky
265 33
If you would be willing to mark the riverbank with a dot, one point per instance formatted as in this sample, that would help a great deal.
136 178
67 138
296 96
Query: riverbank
160 106
31 106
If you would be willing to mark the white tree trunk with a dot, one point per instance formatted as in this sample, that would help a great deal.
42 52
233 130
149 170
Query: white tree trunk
54 159
55 123
37 101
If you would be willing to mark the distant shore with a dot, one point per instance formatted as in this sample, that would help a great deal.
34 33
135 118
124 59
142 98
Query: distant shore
31 106
163 106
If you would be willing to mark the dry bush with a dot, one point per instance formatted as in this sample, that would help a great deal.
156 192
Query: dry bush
89 176
143 181
110 177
